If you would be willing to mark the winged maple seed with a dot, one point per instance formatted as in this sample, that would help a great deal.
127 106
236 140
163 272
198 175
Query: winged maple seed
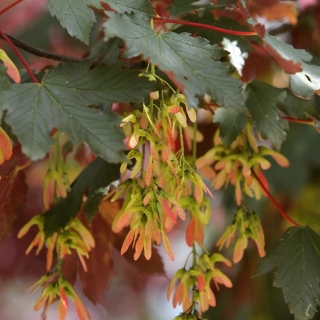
192 286
236 165
165 187
5 146
247 225
56 287
73 236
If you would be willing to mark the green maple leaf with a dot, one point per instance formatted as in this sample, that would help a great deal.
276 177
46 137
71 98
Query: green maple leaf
192 60
132 6
97 175
75 16
65 100
261 100
231 123
295 258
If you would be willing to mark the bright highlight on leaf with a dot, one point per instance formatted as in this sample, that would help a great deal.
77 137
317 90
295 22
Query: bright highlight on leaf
12 70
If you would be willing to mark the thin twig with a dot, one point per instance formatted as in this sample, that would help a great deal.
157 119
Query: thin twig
39 52
10 6
21 58
206 26
273 200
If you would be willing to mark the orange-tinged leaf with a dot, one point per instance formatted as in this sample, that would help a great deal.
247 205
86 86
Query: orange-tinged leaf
274 10
12 70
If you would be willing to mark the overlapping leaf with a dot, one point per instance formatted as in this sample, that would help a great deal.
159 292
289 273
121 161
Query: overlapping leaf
13 191
75 16
192 60
231 123
132 6
295 258
61 101
99 264
96 175
261 102
264 102
304 77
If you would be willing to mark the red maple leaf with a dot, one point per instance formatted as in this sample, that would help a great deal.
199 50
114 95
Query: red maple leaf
13 191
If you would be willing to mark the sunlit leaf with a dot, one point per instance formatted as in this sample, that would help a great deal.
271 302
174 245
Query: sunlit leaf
192 60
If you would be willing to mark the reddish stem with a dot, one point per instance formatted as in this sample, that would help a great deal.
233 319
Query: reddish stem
273 200
310 122
10 6
34 79
206 26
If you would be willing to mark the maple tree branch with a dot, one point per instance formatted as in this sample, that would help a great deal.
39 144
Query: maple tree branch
206 26
21 58
10 6
39 52
273 200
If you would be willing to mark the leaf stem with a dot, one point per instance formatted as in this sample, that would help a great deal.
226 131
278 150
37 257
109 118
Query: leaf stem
21 58
310 122
206 26
10 6
273 200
